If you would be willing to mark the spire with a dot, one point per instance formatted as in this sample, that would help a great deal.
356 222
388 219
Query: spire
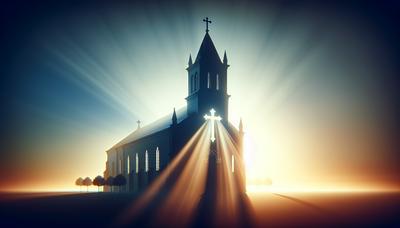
240 126
138 124
225 59
207 51
190 60
174 118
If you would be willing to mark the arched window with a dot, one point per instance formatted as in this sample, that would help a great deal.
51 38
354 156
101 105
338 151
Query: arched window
137 163
217 82
233 163
191 84
128 165
208 80
195 82
146 165
157 159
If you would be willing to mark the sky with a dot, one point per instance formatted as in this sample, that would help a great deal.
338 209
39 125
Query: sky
315 84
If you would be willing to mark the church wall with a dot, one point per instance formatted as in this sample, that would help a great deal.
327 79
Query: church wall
138 181
111 168
183 131
112 160
192 104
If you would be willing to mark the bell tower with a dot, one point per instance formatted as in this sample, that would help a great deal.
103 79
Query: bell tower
207 80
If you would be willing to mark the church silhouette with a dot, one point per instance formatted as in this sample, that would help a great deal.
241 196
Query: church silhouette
143 154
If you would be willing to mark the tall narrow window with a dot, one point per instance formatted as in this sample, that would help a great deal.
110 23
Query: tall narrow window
112 169
233 163
137 163
146 165
195 82
192 83
128 165
119 166
208 80
157 159
217 82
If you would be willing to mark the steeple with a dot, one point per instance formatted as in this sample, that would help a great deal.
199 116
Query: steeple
240 126
190 60
207 81
174 118
225 59
207 52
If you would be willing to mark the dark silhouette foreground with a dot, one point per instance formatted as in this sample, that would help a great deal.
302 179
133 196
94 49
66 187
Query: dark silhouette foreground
266 209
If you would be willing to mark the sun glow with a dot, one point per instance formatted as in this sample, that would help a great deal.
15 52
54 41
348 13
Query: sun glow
285 156
251 189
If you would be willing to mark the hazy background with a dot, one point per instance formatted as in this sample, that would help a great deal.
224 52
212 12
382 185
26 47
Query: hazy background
316 85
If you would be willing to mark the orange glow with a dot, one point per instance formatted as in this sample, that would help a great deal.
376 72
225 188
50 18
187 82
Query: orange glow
227 205
251 189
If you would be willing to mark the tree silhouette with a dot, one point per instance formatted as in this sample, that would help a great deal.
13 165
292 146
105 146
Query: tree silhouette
119 181
110 182
87 182
98 181
79 182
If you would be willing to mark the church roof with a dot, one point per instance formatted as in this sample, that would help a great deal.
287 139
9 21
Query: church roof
207 51
157 126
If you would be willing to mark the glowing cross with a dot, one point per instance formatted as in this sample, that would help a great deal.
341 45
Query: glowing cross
212 118
207 21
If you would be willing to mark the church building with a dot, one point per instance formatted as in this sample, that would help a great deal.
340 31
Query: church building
144 153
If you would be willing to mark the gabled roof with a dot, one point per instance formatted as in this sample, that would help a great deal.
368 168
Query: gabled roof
157 126
207 51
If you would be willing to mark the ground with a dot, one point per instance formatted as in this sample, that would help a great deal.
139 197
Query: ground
266 209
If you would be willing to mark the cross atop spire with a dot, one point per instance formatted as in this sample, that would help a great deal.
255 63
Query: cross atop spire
207 21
